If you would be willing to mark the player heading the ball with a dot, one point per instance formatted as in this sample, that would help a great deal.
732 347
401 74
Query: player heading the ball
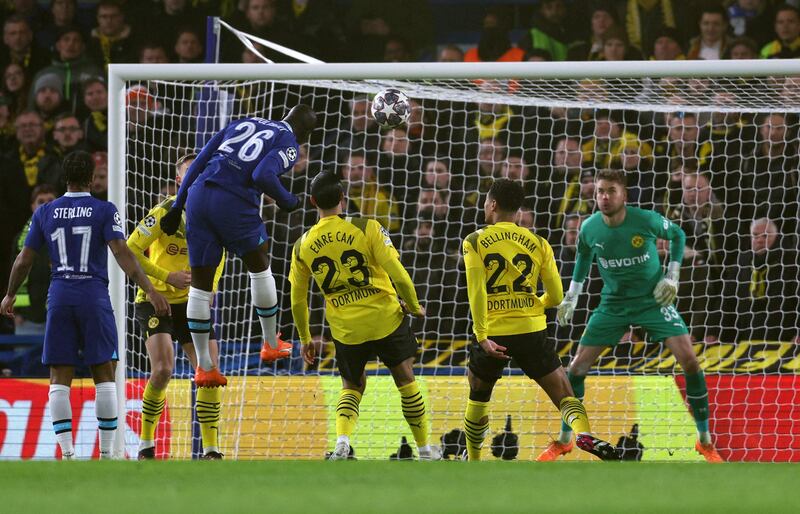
221 192
354 263
504 263
635 292
80 329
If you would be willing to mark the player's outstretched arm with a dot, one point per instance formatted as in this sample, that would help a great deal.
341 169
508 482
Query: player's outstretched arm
266 177
22 266
299 275
404 286
553 289
666 290
127 261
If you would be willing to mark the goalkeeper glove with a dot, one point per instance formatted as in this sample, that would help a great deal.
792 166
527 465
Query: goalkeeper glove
171 221
666 290
566 308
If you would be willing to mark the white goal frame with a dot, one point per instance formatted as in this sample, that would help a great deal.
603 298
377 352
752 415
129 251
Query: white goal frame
118 74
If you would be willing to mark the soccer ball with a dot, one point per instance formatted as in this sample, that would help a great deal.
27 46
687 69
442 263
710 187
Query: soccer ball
391 107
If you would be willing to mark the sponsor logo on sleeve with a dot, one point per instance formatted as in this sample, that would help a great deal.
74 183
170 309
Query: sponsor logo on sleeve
118 223
291 153
386 239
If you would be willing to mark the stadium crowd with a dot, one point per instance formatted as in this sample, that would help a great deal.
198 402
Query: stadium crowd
729 179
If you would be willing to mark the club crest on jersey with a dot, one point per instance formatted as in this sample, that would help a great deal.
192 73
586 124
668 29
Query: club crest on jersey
152 322
637 241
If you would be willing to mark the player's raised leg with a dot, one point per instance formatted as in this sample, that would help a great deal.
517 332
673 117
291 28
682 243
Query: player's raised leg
696 393
576 376
265 301
61 408
573 417
414 410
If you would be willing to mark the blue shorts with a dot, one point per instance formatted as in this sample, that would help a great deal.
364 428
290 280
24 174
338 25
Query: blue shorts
79 334
217 219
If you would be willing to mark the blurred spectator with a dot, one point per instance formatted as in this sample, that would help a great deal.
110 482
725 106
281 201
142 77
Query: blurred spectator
609 139
769 185
495 120
100 176
681 140
15 87
667 46
251 57
71 65
495 43
515 168
708 247
526 219
370 22
111 40
491 156
18 46
365 196
68 135
451 53
320 29
7 130
742 48
188 47
761 292
37 160
751 18
95 126
396 49
787 30
397 165
153 52
436 174
712 41
358 130
165 17
14 208
616 47
550 30
645 18
603 16
30 10
47 99
566 255
30 310
563 184
62 15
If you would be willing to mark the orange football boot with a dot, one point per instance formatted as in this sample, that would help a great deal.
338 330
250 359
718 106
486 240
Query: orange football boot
554 450
270 354
708 452
210 378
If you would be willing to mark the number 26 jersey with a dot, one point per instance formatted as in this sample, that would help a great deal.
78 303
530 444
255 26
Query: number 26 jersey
345 256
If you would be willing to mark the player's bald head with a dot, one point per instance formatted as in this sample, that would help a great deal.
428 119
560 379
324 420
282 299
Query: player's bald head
78 168
302 119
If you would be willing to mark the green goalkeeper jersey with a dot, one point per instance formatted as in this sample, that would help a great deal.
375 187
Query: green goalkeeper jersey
626 255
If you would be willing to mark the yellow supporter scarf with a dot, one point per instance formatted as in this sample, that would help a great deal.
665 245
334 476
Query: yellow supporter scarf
487 130
758 282
99 120
633 21
31 164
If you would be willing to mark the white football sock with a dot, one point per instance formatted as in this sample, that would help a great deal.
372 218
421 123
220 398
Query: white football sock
198 315
105 407
61 414
265 299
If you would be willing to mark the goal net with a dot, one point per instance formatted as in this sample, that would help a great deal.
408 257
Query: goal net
713 151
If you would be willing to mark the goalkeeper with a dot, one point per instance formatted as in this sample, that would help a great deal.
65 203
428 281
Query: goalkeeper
635 292
165 260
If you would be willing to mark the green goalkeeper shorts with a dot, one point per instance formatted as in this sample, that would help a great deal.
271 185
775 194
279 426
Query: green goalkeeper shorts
607 326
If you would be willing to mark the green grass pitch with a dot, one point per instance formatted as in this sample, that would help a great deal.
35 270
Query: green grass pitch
395 487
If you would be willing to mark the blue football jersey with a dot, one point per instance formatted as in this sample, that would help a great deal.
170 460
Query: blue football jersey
76 229
247 157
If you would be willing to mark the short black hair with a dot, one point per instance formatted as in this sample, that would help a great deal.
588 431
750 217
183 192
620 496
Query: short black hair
508 194
78 168
326 189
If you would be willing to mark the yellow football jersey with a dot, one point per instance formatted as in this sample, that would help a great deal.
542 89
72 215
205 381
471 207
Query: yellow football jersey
345 255
165 254
504 264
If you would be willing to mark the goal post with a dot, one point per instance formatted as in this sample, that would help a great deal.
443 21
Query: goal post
271 413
